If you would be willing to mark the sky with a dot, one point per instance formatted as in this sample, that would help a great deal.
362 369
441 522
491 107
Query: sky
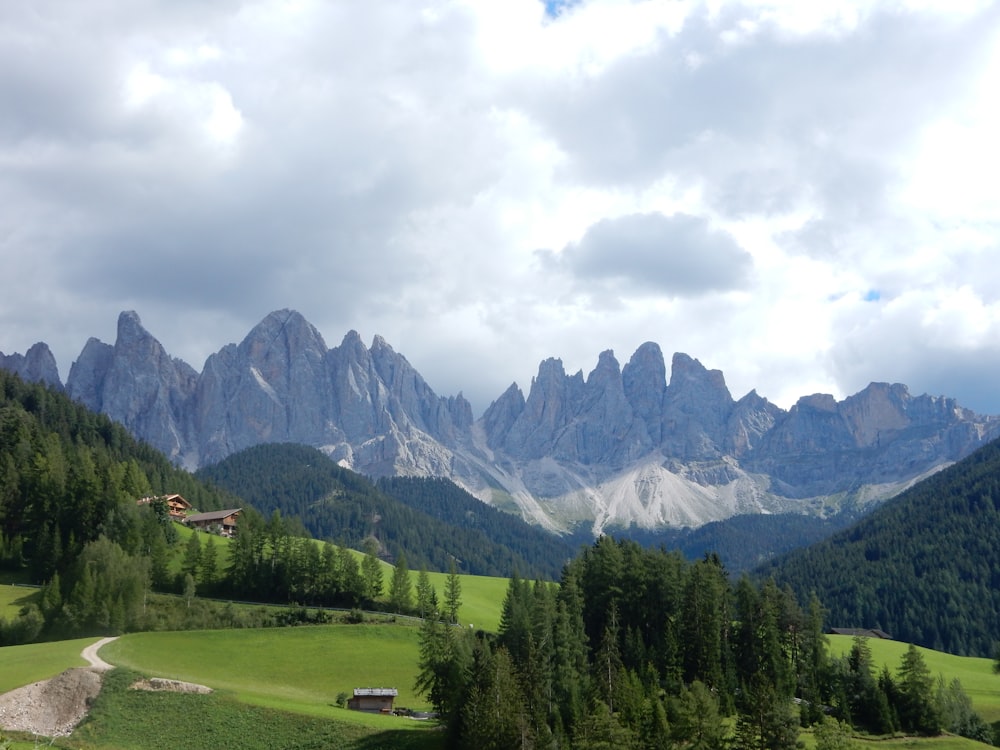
803 195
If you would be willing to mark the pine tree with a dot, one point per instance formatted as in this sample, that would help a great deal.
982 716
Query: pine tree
452 593
426 606
371 570
698 725
494 716
917 709
208 567
401 588
191 563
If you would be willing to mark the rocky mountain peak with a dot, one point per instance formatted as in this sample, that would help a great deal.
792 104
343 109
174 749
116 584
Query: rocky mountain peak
644 380
624 445
36 365
697 406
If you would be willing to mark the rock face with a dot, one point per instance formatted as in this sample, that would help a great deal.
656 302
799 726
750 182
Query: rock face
621 446
37 365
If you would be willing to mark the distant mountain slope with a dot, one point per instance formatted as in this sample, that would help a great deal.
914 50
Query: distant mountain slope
337 504
446 501
925 566
639 445
742 542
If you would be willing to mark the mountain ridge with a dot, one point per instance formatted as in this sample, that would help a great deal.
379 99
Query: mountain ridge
622 446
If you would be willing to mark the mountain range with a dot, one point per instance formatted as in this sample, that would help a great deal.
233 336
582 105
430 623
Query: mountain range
623 446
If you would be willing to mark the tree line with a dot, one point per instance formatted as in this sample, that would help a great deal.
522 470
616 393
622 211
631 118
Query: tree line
638 648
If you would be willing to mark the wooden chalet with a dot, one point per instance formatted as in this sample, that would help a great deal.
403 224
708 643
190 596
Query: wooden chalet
377 700
177 506
222 522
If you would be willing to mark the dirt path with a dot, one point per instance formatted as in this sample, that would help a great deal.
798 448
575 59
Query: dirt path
90 654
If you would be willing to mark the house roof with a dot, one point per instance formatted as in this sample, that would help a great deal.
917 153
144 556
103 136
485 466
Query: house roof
215 515
865 632
376 691
167 498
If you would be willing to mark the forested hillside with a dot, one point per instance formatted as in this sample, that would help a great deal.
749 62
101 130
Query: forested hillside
641 649
444 500
68 475
336 504
925 566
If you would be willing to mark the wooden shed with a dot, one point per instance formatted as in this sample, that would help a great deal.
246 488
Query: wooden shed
377 700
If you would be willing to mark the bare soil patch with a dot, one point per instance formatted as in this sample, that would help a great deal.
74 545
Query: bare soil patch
51 708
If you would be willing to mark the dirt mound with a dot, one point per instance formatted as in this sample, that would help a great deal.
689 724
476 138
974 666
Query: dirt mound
175 686
51 708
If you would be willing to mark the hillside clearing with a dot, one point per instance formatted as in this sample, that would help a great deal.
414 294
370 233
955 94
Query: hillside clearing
975 673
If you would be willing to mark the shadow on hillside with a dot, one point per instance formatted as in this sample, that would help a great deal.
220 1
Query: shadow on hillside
401 739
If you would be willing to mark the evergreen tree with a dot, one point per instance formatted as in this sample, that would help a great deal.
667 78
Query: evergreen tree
353 582
371 570
494 716
698 725
400 587
957 714
768 721
191 564
452 593
426 606
444 668
917 709
209 563
51 600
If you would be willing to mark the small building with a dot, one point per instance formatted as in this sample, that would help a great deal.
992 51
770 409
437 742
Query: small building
863 632
177 506
376 700
222 522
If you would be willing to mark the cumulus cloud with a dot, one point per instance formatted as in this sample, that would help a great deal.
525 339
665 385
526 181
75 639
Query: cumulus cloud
651 253
727 179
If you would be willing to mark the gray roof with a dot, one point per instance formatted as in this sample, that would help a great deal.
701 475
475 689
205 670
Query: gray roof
215 515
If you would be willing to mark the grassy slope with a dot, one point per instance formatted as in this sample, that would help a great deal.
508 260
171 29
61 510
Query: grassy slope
975 674
296 669
22 665
12 598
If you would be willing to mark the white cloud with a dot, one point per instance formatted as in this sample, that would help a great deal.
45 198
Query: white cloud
397 168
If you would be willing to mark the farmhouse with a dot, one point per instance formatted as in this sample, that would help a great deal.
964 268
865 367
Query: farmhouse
221 521
372 699
177 506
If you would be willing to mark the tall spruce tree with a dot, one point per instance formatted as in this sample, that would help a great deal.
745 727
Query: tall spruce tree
400 587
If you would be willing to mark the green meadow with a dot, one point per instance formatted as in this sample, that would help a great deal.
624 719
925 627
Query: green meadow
22 665
976 674
297 669
12 598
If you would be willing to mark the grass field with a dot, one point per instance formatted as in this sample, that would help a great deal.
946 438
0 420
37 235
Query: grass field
12 598
975 674
295 669
22 665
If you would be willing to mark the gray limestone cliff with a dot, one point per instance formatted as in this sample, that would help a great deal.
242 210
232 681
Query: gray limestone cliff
623 445
37 365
